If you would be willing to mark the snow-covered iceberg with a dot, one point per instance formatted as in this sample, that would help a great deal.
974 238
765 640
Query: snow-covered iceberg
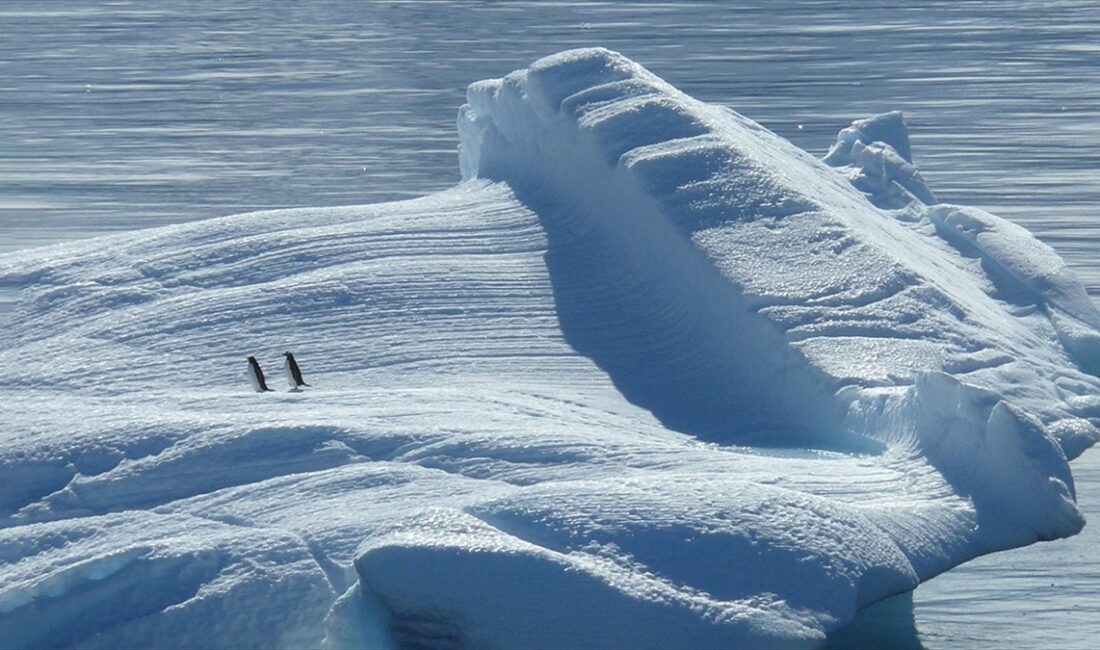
651 376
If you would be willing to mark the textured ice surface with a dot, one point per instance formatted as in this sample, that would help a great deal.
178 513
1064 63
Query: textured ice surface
650 377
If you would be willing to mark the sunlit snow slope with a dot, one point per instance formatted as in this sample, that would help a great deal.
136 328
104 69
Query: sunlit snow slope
650 377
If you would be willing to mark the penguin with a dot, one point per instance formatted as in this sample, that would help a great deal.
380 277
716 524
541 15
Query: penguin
257 375
293 372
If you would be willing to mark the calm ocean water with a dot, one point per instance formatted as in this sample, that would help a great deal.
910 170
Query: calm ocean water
119 115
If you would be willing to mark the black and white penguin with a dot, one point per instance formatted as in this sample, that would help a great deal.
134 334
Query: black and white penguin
256 375
293 372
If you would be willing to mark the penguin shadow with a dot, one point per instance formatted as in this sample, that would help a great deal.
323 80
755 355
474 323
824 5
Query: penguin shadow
291 370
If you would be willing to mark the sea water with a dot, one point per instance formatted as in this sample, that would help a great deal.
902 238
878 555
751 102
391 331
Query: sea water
121 115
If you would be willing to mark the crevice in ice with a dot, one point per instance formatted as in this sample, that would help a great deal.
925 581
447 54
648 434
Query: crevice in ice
339 577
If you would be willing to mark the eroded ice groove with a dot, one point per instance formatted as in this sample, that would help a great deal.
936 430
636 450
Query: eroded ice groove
531 397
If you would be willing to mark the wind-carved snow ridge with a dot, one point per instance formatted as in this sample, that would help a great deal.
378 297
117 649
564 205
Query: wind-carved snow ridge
650 377
770 280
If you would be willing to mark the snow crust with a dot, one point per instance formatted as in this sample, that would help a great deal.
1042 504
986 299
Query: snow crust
649 377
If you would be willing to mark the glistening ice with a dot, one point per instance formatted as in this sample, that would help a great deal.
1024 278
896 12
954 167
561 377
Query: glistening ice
651 376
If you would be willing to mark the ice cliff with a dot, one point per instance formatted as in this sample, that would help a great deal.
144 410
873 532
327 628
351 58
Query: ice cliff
651 376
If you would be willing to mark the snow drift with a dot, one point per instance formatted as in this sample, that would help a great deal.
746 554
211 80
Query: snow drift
650 376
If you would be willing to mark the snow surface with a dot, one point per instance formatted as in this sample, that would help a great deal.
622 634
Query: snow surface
651 377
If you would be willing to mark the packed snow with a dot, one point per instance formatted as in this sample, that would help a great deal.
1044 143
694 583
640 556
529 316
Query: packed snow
650 376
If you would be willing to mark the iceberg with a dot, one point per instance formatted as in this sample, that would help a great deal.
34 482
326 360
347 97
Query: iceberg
650 376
